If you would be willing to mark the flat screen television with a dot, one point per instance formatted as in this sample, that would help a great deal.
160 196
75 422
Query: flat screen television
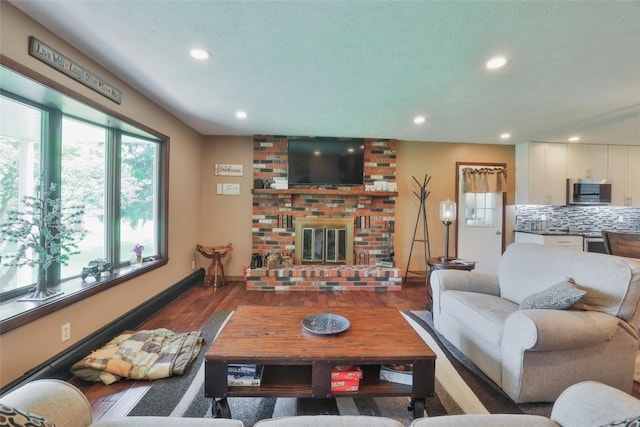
326 162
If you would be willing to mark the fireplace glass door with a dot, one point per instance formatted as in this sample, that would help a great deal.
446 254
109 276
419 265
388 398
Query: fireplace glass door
321 245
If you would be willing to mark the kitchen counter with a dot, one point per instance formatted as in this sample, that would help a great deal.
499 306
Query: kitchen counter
581 233
567 240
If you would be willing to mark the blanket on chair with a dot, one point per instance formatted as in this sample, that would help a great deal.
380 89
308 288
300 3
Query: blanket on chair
141 355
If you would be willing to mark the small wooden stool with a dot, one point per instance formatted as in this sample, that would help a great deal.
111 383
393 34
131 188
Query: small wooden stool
215 254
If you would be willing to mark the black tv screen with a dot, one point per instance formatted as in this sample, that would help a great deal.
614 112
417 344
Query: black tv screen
326 162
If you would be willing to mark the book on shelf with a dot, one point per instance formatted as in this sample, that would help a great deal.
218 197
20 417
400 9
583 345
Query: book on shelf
397 373
346 372
234 379
345 385
242 368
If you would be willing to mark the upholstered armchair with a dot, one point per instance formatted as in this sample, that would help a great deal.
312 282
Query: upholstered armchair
535 352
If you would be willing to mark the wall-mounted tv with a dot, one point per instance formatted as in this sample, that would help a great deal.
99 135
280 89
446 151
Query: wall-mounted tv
326 162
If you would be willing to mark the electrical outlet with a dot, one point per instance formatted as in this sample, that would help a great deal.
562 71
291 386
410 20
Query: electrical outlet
65 332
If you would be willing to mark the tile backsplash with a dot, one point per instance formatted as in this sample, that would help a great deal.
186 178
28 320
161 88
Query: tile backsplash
577 218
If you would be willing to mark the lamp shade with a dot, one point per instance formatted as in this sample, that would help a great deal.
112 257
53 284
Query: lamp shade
447 210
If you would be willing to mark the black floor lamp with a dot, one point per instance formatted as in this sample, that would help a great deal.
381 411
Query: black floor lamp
447 215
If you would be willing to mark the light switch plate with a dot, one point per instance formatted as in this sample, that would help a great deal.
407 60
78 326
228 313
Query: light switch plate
231 189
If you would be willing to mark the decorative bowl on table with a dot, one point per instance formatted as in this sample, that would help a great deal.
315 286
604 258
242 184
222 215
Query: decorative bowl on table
325 323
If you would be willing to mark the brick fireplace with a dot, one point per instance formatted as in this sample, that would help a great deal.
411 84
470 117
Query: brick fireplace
369 216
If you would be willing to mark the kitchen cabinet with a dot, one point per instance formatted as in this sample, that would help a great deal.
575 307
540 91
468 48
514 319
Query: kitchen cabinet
624 174
587 161
570 242
541 173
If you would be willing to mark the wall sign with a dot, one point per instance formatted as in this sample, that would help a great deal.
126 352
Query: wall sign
53 58
228 170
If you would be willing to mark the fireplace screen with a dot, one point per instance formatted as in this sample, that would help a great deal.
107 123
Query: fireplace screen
324 245
324 240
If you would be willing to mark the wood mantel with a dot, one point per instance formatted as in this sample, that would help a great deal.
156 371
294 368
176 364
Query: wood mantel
347 192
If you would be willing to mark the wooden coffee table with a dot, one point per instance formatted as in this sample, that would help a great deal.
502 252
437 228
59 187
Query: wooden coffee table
297 363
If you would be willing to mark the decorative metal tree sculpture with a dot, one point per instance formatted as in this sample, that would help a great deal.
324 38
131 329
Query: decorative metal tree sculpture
45 232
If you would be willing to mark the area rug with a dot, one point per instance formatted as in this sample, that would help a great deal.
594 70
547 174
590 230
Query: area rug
460 389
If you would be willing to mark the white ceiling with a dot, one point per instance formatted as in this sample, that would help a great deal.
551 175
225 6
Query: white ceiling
366 68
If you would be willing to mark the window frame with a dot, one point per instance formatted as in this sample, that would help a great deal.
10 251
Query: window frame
14 316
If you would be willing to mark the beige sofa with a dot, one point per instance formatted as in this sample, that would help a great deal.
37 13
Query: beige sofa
535 354
64 405
586 404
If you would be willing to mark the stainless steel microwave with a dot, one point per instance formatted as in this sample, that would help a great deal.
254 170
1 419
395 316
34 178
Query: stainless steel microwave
588 191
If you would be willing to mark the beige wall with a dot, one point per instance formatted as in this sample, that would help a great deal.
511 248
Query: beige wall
26 347
228 218
437 160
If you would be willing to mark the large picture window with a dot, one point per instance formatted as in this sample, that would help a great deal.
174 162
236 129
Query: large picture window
115 170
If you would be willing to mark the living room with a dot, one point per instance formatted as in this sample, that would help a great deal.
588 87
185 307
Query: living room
197 214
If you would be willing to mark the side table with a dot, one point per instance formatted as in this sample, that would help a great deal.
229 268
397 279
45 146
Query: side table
215 254
438 264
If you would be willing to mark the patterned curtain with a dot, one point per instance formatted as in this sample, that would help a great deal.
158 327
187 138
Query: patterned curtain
485 180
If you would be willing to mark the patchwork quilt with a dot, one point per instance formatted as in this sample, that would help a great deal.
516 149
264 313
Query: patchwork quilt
141 355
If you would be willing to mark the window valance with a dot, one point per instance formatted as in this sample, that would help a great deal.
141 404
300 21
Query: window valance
484 180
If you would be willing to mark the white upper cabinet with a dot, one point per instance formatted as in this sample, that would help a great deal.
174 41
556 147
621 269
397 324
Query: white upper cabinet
541 173
587 161
542 169
624 173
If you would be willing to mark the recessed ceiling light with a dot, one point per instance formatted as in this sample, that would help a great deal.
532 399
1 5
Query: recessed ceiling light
505 135
241 115
419 119
198 53
574 138
496 62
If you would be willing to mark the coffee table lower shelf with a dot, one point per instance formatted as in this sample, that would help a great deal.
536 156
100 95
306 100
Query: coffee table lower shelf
313 381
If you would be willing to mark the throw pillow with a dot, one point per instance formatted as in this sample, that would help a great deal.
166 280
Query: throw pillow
15 417
629 422
558 297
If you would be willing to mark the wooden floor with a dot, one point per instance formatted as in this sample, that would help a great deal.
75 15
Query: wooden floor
191 311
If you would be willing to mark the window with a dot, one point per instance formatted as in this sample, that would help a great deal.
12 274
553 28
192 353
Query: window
20 146
82 183
480 209
114 169
138 196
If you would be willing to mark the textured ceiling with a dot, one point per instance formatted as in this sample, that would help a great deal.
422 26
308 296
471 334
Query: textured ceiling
366 68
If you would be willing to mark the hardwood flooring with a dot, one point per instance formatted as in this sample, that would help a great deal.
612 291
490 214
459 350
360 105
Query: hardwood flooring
192 309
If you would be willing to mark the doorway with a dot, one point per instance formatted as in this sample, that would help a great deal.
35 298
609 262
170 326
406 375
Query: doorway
480 224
